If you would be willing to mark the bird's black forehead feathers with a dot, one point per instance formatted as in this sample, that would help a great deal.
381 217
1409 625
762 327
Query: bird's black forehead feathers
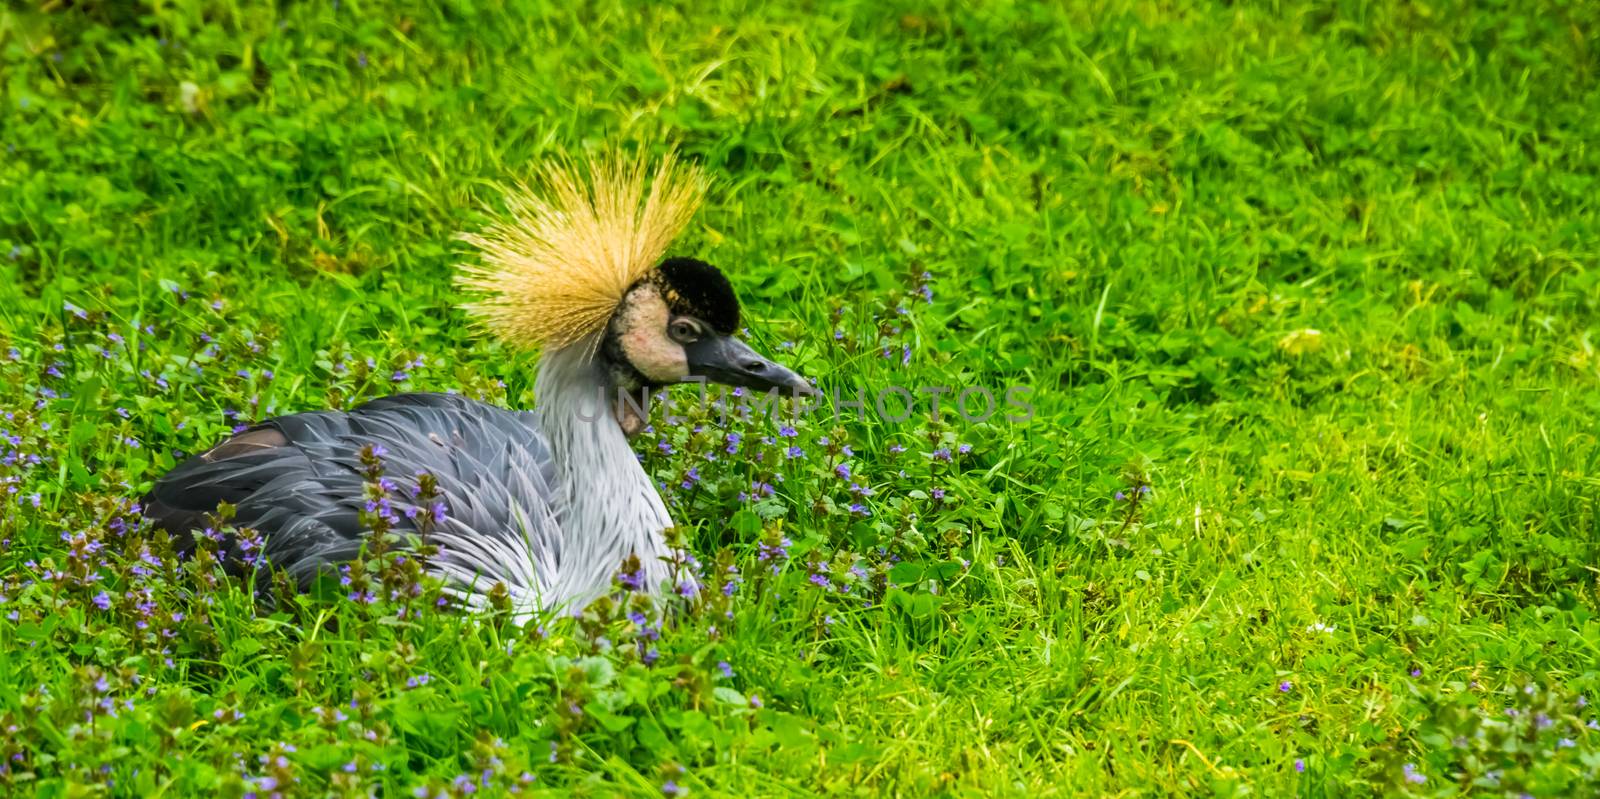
695 288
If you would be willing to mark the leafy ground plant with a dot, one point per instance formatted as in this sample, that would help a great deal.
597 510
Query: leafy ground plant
1305 296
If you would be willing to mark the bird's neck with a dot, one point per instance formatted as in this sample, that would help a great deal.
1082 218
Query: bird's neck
613 508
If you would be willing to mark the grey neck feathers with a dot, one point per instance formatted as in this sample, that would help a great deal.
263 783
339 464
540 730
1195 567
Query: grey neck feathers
612 506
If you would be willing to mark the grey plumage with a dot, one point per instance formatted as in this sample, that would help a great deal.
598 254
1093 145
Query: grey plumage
512 517
494 468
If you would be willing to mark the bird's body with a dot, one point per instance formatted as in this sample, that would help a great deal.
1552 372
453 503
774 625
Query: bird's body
549 503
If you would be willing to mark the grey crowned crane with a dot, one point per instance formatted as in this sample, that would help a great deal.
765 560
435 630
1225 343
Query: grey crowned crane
548 502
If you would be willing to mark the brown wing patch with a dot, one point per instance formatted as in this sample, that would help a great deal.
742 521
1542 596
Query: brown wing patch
245 443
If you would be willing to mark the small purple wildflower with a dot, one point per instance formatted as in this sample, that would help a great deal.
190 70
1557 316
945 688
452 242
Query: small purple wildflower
1412 776
633 581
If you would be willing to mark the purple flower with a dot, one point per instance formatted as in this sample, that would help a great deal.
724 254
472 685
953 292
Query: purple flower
1285 687
1412 776
102 600
755 701
633 581
1299 765
670 788
768 552
725 667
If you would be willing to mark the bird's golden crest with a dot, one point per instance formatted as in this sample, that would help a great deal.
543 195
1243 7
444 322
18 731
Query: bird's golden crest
555 268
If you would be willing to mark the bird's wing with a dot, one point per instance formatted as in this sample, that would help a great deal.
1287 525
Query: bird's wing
298 480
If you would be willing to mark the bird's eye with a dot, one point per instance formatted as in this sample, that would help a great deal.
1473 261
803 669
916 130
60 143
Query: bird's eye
684 331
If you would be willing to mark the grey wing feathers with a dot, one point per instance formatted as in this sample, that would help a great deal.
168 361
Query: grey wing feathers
305 494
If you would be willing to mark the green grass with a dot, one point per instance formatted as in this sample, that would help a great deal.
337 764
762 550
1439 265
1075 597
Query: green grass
1324 276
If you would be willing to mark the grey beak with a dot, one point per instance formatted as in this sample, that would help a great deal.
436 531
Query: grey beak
727 360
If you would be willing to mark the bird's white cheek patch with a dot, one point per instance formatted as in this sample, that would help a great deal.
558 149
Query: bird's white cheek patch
645 341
